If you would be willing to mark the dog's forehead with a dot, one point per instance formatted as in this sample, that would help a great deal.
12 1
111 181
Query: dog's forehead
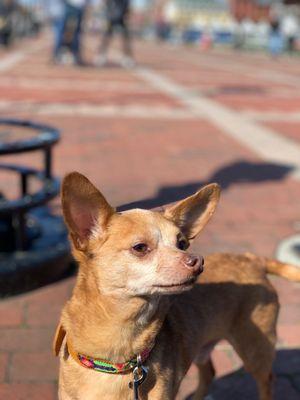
142 221
141 214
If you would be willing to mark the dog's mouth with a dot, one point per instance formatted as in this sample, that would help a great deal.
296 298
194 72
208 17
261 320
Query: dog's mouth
177 287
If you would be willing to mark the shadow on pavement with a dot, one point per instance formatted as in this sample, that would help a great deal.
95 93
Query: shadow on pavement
235 173
239 385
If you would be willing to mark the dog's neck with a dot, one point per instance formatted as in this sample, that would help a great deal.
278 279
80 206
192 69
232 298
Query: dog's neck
111 327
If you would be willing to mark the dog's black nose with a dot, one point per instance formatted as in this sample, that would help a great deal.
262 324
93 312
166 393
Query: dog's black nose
194 263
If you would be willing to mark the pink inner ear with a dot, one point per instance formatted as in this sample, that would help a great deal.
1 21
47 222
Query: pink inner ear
84 220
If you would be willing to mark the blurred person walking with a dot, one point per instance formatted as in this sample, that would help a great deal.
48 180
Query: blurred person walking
275 38
69 29
56 12
117 15
7 10
291 29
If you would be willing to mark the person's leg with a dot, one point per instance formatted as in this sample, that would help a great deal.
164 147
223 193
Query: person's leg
76 40
128 61
106 38
291 44
127 48
59 32
56 24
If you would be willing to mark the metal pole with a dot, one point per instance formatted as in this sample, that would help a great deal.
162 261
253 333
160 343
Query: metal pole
48 163
19 226
24 184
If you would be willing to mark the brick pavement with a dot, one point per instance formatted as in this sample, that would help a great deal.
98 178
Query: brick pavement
140 144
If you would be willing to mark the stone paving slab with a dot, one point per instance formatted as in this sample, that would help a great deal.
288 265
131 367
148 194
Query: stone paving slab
148 161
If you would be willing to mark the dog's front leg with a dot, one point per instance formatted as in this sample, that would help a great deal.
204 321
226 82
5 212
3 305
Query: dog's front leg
62 395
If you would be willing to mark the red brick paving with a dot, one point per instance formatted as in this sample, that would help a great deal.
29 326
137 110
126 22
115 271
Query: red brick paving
286 128
11 314
73 96
154 158
25 391
258 102
288 335
225 360
43 367
4 358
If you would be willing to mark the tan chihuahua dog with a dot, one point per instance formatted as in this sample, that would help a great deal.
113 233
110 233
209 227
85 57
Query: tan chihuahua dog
137 310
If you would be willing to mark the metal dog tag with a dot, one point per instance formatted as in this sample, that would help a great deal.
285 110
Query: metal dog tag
139 375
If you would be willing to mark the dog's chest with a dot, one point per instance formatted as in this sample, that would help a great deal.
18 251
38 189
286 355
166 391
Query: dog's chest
111 387
94 385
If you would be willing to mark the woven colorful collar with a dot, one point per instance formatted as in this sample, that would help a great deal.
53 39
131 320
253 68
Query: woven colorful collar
106 366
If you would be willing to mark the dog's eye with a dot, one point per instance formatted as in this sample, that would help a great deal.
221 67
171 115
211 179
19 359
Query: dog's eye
140 248
182 243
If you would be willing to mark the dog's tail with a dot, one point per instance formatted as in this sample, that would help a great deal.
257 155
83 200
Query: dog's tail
275 267
288 271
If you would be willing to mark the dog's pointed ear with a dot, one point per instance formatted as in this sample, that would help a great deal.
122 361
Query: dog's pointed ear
193 213
84 208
